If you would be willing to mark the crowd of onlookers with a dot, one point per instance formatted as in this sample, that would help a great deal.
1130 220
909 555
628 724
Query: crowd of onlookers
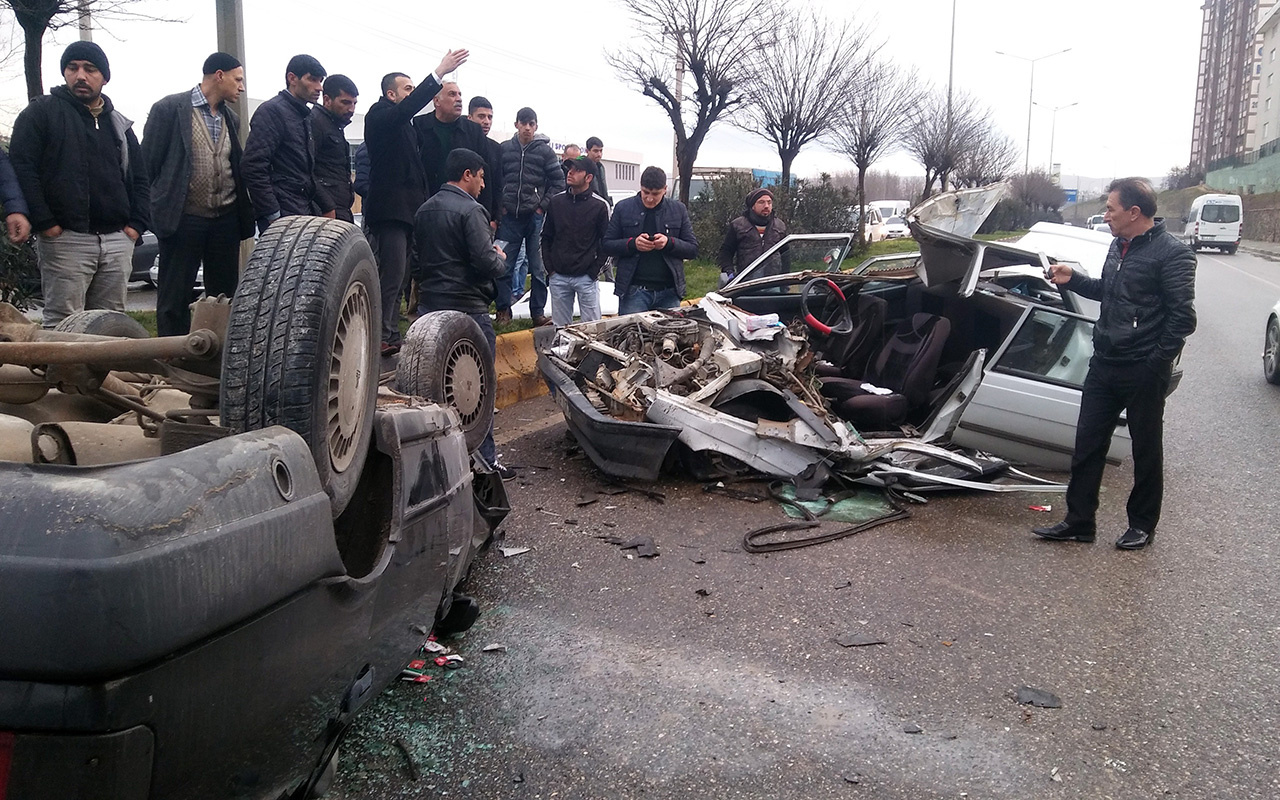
78 176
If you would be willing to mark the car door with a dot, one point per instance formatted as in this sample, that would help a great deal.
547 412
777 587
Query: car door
1027 405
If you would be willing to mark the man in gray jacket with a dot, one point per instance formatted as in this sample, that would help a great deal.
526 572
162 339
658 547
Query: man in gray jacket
531 176
201 210
456 263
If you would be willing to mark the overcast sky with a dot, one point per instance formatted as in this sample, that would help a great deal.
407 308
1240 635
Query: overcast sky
1131 68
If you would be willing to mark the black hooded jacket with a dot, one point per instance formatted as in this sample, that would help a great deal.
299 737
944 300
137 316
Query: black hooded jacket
744 243
78 172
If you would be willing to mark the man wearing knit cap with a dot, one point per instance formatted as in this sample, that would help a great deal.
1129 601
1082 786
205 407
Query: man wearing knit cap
201 208
82 174
750 235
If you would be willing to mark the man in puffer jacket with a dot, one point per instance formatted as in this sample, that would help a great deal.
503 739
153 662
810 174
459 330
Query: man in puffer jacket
750 235
531 176
1147 291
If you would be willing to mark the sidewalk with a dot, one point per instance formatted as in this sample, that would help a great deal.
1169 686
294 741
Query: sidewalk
1267 250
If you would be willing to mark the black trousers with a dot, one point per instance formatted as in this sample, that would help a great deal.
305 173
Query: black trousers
1108 390
213 242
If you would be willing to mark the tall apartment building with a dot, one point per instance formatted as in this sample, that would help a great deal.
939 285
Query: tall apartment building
1231 71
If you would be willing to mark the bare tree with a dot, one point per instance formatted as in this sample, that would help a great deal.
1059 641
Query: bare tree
805 79
1037 191
989 157
937 137
873 123
37 16
716 41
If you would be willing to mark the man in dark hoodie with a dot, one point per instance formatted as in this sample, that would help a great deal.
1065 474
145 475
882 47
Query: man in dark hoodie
279 156
397 183
750 235
531 176
200 210
334 195
83 176
572 236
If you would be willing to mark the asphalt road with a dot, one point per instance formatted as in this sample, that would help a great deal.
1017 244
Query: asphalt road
712 672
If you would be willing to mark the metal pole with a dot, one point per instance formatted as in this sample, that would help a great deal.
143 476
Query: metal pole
675 139
951 71
230 18
1031 91
86 22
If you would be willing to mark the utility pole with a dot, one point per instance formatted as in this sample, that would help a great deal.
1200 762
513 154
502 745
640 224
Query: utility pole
675 138
951 71
86 21
230 14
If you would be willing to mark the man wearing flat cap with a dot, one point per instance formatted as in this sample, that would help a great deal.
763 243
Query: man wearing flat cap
200 204
82 173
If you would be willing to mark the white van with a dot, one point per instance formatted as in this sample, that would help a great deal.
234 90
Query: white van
891 208
1214 221
875 224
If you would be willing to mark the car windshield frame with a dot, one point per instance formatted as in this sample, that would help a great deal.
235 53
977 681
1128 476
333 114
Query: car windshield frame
843 242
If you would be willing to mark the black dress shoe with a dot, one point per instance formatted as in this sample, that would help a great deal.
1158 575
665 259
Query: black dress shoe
1135 539
1064 532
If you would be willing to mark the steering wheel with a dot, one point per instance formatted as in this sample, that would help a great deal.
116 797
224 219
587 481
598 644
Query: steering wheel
844 319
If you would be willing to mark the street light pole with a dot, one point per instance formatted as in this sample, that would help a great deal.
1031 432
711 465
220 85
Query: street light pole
1031 89
1053 127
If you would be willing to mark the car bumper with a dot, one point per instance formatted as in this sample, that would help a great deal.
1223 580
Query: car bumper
191 623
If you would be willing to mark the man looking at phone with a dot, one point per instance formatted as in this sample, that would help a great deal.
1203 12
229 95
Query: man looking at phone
649 237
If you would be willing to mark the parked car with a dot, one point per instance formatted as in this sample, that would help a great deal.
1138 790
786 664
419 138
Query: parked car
1271 347
146 254
1214 220
204 578
896 228
965 344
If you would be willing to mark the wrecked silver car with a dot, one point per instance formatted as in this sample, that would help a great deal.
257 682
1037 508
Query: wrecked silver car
937 368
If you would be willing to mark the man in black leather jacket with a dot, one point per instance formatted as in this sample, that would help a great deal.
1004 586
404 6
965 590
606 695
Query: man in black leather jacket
1147 291
455 261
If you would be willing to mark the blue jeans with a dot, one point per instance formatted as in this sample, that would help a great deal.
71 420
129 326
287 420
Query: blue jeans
521 272
564 288
639 298
527 231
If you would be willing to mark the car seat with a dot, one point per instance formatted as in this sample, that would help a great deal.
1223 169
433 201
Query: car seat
847 355
897 381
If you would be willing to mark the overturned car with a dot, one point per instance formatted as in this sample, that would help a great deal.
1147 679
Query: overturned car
937 368
217 547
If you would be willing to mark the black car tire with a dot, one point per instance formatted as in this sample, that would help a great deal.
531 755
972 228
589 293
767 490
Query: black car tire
1231 251
101 322
445 358
301 345
1271 352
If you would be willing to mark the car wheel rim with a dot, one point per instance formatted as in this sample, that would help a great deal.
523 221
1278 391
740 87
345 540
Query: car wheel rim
349 374
1273 344
464 381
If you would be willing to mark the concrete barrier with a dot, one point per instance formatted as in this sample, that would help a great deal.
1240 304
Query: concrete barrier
516 362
